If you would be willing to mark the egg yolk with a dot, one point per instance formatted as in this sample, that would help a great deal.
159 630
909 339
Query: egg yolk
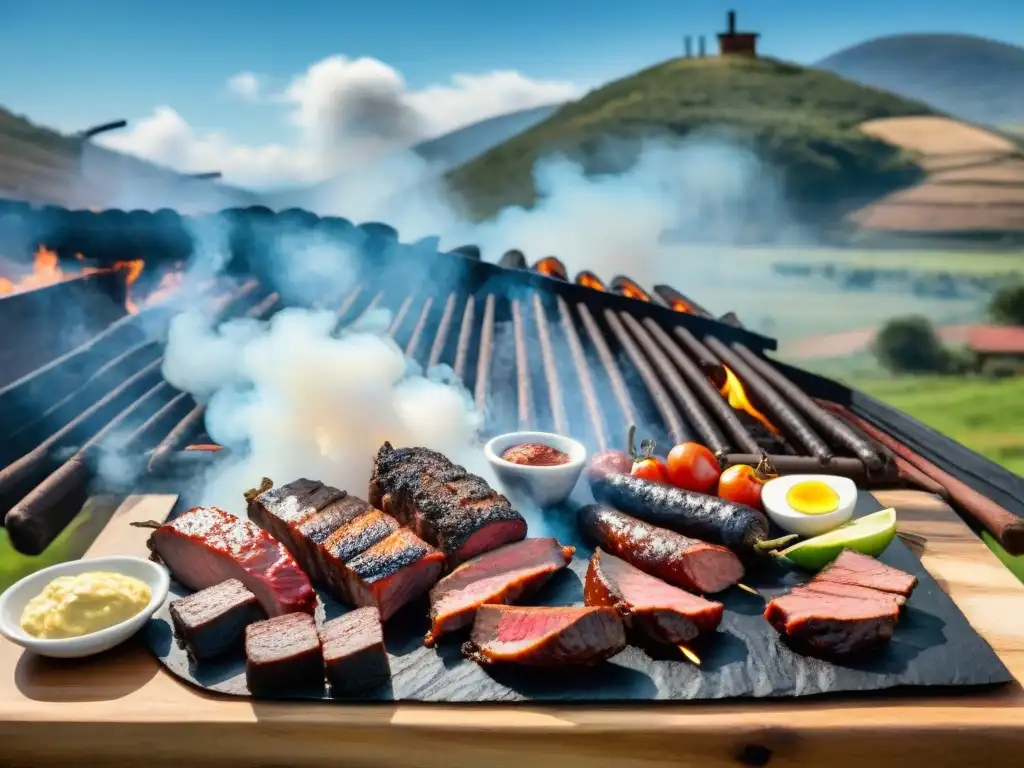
813 497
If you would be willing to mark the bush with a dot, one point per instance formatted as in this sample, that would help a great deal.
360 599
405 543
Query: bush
909 345
1007 305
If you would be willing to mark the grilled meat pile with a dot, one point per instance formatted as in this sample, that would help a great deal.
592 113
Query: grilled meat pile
851 606
362 556
457 512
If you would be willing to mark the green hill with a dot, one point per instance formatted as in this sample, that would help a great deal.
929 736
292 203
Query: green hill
803 121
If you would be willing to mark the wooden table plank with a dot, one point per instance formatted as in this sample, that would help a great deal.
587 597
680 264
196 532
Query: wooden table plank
111 709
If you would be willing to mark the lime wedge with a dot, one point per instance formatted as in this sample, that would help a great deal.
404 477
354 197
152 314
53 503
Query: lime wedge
869 535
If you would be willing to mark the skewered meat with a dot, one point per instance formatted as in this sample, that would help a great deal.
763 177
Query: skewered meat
500 576
206 545
362 556
457 512
545 636
212 621
283 654
864 571
694 565
353 649
664 613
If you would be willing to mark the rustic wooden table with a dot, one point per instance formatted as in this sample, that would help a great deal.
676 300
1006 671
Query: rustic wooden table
122 709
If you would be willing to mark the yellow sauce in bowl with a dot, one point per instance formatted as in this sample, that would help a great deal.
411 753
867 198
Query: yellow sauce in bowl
73 606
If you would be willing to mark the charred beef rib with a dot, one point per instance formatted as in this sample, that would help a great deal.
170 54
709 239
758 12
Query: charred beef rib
544 636
457 512
500 576
205 546
362 556
664 613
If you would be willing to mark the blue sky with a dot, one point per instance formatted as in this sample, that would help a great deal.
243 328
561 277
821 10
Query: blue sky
69 64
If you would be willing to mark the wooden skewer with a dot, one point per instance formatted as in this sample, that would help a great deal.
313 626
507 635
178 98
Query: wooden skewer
751 590
689 654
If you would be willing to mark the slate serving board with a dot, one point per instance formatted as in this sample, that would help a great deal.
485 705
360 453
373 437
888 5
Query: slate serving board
934 647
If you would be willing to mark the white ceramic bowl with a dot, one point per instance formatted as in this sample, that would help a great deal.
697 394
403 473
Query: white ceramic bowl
544 486
773 500
16 597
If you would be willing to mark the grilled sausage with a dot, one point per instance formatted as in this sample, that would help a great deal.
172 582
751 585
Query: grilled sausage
742 529
688 563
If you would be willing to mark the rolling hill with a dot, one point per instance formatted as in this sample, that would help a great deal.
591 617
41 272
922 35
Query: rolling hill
803 121
45 167
973 78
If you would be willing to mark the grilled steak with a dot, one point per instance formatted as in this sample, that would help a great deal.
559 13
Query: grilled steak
694 565
863 571
664 613
353 650
206 546
831 624
283 654
545 636
361 555
839 589
457 512
212 621
500 576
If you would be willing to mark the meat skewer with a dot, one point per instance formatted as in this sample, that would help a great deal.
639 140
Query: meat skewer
693 565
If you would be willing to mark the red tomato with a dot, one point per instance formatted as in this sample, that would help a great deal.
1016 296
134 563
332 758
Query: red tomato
650 469
693 467
742 484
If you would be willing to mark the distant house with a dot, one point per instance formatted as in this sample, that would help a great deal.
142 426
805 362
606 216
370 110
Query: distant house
733 43
996 343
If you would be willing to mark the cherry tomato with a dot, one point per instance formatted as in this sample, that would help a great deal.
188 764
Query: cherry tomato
742 484
650 469
692 467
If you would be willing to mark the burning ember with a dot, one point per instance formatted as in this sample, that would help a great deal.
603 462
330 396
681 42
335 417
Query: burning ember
681 305
590 280
626 287
732 390
46 270
551 267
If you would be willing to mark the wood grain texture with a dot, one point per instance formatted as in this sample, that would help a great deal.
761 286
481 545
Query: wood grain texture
109 710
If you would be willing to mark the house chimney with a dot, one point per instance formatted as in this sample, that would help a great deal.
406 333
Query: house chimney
688 46
732 22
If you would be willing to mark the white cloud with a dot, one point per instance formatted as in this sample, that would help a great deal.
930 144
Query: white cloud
347 111
245 85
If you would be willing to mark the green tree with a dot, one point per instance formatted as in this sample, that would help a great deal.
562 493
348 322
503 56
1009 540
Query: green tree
1007 305
909 345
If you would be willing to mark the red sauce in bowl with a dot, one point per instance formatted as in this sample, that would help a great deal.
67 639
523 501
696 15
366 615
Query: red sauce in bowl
535 455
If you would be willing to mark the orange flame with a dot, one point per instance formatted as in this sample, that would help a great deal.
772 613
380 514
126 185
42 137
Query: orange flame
551 267
587 280
46 270
631 290
732 390
681 305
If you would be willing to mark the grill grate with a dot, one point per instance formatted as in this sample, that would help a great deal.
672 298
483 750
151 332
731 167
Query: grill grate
536 351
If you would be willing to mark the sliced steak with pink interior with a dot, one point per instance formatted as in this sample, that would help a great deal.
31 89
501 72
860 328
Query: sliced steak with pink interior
454 510
664 613
500 576
864 571
544 636
206 546
833 625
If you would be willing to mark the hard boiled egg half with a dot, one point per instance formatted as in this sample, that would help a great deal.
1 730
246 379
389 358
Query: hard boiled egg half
809 505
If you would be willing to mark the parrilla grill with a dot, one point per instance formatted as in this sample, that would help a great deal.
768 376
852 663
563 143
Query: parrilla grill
587 357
